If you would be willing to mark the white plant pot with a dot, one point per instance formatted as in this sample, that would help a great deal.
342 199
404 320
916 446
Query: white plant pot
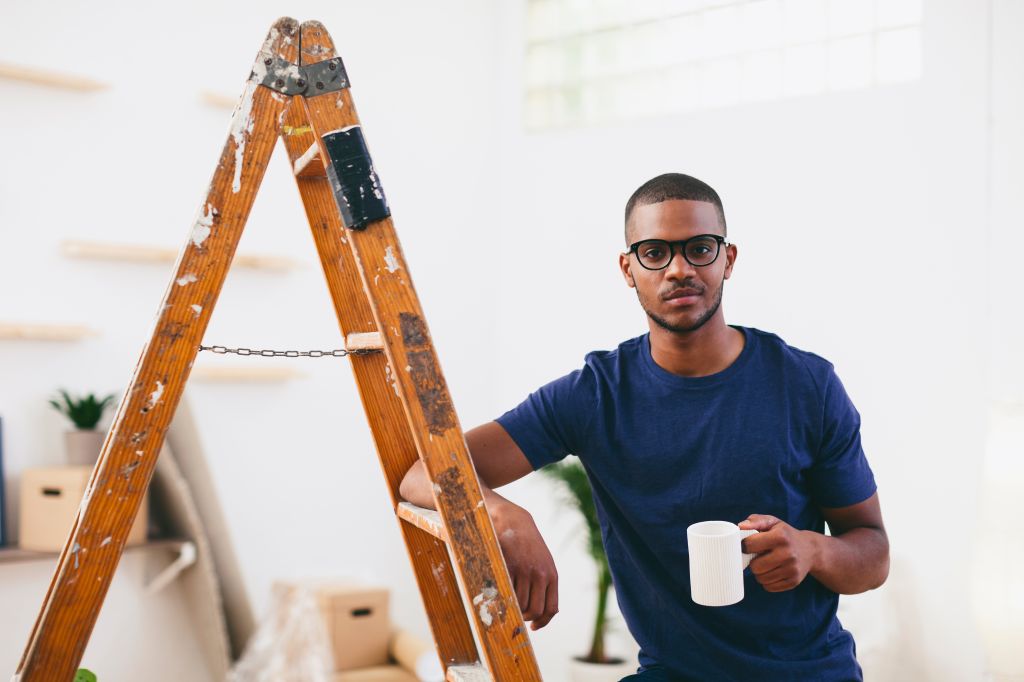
600 672
83 447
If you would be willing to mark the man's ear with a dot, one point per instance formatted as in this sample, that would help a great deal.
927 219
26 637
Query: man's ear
624 265
730 259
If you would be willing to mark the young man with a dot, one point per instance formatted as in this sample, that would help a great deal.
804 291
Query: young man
696 421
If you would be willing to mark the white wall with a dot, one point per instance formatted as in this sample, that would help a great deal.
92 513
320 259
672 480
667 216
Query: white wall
923 339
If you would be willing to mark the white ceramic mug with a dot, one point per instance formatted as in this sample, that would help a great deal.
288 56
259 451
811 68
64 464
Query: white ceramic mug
717 562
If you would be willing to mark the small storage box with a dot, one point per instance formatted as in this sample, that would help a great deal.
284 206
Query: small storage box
355 617
358 624
49 504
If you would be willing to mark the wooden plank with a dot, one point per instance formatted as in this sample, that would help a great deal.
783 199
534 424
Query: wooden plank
50 78
385 413
425 519
140 253
415 371
467 673
129 454
363 341
16 555
14 331
310 164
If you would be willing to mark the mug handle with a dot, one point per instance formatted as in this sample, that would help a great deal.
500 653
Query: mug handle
747 558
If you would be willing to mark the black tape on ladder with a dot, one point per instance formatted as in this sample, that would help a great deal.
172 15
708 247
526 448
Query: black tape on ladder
356 186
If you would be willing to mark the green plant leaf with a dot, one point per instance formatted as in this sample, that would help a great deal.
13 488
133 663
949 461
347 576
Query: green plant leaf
85 412
576 491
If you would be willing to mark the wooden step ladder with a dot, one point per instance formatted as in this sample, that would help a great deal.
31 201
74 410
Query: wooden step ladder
299 91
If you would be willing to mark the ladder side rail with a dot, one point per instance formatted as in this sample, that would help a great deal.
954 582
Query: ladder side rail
435 429
125 466
384 411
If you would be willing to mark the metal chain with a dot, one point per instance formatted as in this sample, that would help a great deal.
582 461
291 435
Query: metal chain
340 353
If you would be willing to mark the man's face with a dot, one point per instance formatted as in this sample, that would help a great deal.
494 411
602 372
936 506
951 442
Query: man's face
681 297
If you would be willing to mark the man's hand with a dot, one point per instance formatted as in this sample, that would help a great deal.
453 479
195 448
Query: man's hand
529 561
785 555
498 460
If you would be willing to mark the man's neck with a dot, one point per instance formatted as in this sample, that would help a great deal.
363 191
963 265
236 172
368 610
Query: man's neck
707 350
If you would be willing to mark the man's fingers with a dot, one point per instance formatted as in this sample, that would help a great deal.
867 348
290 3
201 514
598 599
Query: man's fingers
773 574
780 585
522 585
538 592
550 606
761 522
759 543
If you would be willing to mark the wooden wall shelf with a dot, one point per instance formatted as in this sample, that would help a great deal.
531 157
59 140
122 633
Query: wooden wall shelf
51 79
14 331
138 253
216 99
15 555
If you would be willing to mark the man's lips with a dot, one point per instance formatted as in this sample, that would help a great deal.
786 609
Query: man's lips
682 295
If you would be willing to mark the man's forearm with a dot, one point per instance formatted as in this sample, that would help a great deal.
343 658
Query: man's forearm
416 485
851 563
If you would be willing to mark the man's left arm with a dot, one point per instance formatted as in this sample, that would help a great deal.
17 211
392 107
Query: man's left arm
854 559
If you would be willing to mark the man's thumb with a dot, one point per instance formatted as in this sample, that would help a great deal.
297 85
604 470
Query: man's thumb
759 522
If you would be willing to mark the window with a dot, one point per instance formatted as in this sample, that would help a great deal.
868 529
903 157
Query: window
589 61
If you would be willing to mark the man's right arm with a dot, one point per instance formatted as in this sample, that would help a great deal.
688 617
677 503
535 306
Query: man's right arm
498 461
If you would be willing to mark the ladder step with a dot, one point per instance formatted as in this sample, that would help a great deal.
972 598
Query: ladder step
424 519
310 165
468 673
364 341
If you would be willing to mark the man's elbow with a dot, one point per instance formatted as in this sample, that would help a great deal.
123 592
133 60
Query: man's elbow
881 572
408 489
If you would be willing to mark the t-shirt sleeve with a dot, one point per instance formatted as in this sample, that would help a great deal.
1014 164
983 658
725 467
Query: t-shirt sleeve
551 422
840 475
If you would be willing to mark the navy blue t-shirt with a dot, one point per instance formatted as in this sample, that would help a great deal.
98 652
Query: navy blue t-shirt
773 433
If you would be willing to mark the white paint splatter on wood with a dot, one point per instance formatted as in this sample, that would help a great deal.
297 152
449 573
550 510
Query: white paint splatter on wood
155 396
484 601
197 308
391 379
188 278
204 225
390 261
438 571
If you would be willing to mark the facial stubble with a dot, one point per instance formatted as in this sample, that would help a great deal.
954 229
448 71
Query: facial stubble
697 324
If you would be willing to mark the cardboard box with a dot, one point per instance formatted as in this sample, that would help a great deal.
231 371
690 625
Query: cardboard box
358 624
49 503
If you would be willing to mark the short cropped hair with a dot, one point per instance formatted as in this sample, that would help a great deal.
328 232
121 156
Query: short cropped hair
674 186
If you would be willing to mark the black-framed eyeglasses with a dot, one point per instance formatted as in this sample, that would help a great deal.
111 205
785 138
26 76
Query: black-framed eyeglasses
699 251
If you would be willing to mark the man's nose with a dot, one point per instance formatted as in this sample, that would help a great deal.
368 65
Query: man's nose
679 268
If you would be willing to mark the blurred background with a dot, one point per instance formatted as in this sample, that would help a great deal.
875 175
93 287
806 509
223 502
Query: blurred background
869 154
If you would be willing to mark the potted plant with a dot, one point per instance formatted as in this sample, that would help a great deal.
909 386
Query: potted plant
596 666
84 443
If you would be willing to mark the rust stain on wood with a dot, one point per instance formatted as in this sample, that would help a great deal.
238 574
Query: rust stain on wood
431 390
464 532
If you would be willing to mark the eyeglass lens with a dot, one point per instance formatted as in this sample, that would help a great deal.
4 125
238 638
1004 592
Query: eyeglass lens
655 254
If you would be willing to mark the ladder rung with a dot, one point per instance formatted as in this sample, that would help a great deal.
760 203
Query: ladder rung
363 341
310 164
468 673
424 519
